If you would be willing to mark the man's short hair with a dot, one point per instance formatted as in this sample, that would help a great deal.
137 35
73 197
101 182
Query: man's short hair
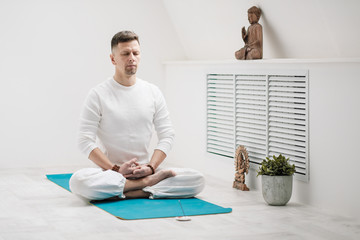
123 36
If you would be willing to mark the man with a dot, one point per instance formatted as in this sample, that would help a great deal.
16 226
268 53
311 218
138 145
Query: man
115 131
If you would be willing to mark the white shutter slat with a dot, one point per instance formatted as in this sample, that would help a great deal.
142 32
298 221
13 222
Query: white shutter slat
287 131
251 102
252 77
221 132
221 144
287 105
252 126
286 89
287 120
220 117
217 77
288 115
251 140
220 108
251 135
259 152
287 145
254 107
287 126
221 90
220 82
251 87
256 157
285 151
221 104
251 121
286 84
249 82
251 116
220 139
287 99
225 99
255 147
221 126
250 111
222 85
287 136
245 97
225 121
286 94
216 113
247 94
286 110
221 95
288 78
220 152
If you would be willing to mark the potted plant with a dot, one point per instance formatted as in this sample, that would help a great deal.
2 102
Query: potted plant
276 179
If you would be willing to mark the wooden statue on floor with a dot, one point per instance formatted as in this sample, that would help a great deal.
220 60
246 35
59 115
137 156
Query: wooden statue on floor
253 37
241 166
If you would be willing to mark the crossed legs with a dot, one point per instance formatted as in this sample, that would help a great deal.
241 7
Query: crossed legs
96 184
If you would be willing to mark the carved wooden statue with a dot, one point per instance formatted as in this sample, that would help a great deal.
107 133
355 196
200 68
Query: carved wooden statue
253 37
241 166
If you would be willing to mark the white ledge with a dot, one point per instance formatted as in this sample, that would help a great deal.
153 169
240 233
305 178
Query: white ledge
262 61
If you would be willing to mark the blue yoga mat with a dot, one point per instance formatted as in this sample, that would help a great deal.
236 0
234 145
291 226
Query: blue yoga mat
131 209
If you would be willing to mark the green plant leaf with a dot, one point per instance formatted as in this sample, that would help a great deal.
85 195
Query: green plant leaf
277 166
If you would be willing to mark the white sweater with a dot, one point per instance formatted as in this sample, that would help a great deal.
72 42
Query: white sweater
122 118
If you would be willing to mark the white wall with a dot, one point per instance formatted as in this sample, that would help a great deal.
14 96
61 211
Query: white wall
334 117
51 53
211 29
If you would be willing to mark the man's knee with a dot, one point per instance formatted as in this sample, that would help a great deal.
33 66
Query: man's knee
96 184
78 183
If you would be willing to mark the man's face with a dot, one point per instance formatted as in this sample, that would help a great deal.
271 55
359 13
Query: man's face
126 57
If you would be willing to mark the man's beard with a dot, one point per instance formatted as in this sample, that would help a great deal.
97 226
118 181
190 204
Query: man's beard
130 71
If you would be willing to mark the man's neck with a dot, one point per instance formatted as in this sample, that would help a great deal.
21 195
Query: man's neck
127 80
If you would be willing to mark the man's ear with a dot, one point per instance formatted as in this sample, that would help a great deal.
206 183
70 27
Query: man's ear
112 59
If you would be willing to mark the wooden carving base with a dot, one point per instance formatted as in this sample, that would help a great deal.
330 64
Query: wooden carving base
240 186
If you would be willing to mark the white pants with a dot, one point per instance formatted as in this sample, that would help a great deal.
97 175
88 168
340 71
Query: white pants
96 184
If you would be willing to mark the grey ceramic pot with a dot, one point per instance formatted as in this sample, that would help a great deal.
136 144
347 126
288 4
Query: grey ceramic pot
276 190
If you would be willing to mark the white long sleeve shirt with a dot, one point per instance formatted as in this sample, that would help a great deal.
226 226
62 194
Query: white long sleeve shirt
122 118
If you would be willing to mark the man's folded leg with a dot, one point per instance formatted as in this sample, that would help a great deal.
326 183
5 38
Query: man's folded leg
185 184
97 184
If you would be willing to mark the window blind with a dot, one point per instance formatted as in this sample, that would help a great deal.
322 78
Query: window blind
266 112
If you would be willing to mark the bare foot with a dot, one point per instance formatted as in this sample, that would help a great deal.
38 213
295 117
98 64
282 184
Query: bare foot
159 176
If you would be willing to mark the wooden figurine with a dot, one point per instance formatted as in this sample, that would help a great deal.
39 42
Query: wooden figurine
241 166
253 37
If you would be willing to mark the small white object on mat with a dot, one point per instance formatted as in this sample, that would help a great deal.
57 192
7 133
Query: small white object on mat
183 218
